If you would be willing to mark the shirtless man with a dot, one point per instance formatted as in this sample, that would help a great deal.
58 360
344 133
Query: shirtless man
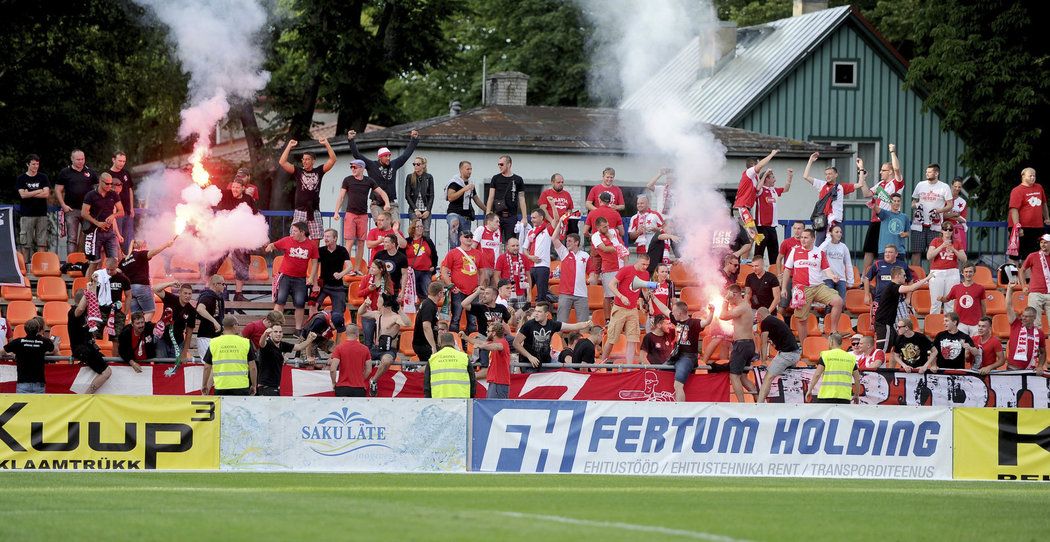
389 321
739 311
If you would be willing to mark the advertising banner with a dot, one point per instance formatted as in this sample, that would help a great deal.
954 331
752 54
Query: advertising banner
832 441
1004 389
98 432
1002 444
641 385
10 272
343 434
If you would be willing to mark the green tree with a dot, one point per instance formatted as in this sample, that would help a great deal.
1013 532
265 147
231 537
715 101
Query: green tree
987 70
545 39
90 75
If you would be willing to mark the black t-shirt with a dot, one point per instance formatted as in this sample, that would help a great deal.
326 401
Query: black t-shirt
136 267
779 334
118 284
357 194
950 352
886 313
126 187
486 315
102 207
507 189
538 338
271 360
914 350
183 315
78 328
657 349
583 352
425 316
688 334
308 188
29 357
77 184
33 206
462 205
332 262
394 263
761 289
216 307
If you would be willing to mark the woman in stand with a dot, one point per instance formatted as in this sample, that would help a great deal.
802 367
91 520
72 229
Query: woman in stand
419 193
422 257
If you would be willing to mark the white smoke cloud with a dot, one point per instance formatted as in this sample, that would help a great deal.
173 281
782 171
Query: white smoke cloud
633 42
217 44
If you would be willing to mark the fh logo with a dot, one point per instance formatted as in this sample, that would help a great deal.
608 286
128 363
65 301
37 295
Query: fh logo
529 438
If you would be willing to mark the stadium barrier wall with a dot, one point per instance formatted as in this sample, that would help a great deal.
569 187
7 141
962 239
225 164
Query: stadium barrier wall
337 434
719 439
1004 389
107 432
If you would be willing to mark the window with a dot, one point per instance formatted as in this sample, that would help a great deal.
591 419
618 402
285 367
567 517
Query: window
844 74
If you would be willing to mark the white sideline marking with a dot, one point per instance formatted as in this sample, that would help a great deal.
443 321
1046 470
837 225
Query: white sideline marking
652 529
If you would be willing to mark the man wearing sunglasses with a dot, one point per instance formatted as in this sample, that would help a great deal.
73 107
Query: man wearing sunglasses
100 211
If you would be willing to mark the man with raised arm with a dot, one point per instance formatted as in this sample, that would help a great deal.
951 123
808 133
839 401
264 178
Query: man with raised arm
307 185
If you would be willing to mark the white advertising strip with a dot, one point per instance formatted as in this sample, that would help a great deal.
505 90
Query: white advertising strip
343 434
711 439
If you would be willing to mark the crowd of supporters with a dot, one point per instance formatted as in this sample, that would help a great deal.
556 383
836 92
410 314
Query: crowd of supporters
518 284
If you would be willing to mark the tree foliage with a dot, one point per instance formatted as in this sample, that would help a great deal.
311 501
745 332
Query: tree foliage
987 69
545 39
90 75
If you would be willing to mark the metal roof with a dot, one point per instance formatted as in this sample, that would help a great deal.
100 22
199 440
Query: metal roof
763 56
556 130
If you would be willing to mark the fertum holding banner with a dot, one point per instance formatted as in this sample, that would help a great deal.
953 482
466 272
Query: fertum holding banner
1002 444
833 441
337 434
98 432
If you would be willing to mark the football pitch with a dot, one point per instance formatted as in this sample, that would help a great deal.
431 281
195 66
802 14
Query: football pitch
254 507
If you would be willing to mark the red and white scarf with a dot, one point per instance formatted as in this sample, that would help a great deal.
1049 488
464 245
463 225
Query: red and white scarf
1022 353
1046 270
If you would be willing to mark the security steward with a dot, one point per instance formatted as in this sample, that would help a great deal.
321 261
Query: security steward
448 374
229 363
839 369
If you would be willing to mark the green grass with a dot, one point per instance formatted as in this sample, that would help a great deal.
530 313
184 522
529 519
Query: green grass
256 507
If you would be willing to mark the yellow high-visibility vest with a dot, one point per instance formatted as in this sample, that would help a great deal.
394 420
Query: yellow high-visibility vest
448 374
229 361
838 374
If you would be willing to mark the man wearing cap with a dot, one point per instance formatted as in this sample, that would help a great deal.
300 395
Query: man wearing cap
355 189
308 186
384 171
245 176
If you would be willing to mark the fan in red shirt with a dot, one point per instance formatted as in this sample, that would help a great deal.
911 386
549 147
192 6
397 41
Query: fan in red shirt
497 374
487 240
514 266
969 300
991 347
807 268
607 187
460 269
1026 349
624 315
298 251
747 189
945 254
664 292
1028 211
766 212
349 365
869 358
1038 286
384 226
603 211
563 203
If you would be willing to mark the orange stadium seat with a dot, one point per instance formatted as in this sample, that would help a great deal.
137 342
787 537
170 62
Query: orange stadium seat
18 332
681 277
813 329
21 262
56 312
62 332
1019 300
917 273
692 296
845 325
598 317
855 302
595 296
52 289
16 293
45 264
933 324
983 276
405 346
856 278
79 283
813 346
1001 326
555 272
257 269
920 301
226 269
864 325
994 302
20 311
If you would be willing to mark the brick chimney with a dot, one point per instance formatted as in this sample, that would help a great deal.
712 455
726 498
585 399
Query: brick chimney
506 88
721 48
802 7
